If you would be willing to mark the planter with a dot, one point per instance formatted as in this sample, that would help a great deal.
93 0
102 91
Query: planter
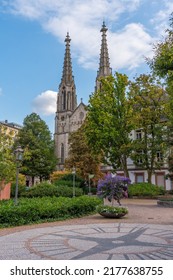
112 211
112 215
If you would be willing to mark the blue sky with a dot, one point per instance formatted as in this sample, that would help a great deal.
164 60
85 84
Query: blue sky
32 34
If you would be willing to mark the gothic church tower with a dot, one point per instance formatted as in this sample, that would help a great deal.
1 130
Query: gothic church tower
69 116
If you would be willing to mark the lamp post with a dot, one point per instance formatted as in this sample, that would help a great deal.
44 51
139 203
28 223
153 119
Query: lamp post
19 157
74 172
90 176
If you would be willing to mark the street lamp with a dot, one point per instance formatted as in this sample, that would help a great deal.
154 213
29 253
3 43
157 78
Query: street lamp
19 156
90 176
74 172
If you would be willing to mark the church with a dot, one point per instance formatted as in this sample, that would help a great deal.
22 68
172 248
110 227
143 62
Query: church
69 115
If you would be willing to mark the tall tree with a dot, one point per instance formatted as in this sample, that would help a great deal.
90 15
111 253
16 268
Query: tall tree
162 61
7 164
108 121
81 156
149 101
35 138
162 65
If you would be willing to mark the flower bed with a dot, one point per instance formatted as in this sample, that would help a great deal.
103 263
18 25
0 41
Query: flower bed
111 211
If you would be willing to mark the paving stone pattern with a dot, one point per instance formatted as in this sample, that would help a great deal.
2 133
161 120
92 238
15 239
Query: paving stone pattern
111 241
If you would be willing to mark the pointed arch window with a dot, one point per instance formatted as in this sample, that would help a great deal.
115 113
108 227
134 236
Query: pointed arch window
63 99
62 153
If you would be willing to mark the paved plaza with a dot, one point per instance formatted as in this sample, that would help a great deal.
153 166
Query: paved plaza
146 233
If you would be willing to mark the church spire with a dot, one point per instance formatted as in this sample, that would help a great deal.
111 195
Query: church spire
67 76
67 99
104 65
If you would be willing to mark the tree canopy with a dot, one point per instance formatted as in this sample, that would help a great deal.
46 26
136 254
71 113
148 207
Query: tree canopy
149 101
35 139
108 121
7 163
81 156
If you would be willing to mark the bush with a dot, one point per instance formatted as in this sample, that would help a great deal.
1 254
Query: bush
46 189
21 189
66 183
44 209
145 190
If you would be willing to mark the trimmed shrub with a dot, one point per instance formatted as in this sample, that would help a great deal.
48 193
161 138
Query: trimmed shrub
46 189
66 183
57 175
145 190
44 209
21 190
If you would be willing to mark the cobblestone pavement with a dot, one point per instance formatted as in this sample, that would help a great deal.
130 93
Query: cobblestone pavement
146 233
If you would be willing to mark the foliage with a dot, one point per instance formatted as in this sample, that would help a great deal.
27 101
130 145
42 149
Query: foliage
81 155
149 102
45 209
46 189
145 190
113 187
35 139
21 180
21 190
7 163
66 183
108 121
162 61
56 175
112 210
69 177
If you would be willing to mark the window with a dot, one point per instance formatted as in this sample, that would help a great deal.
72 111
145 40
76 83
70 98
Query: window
160 179
62 153
138 134
159 156
139 177
63 99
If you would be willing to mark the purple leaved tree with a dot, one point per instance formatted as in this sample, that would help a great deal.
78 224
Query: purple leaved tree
113 188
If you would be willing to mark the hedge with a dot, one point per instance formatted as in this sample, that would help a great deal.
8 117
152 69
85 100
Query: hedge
44 209
145 190
47 189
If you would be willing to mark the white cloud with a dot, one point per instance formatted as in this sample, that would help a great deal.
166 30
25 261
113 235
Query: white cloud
45 103
129 46
161 19
83 18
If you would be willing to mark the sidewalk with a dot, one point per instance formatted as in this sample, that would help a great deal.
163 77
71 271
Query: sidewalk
145 233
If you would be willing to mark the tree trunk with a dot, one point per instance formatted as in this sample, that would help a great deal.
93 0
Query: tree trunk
33 180
124 166
149 176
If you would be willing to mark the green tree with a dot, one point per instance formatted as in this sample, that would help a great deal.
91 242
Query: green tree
81 156
7 164
35 139
162 61
149 101
108 121
162 65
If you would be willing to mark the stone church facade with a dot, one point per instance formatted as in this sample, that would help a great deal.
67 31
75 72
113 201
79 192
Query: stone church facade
70 116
